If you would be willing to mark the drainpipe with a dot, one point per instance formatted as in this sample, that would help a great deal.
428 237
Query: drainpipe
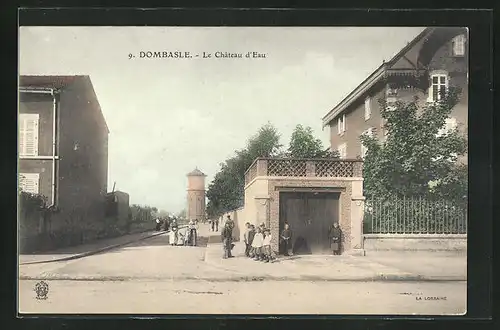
55 116
53 92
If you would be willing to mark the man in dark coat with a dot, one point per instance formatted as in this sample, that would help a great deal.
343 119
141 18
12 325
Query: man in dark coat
286 239
335 235
227 240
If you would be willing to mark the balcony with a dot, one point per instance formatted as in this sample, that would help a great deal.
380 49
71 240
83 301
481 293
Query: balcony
292 167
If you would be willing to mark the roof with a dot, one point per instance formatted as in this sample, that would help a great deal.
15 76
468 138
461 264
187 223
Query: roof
196 172
371 80
55 82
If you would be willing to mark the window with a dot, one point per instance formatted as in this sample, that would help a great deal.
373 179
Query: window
439 86
368 132
449 125
28 182
342 149
341 125
458 45
28 134
368 110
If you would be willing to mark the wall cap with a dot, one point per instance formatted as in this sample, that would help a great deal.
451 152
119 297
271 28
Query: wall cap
415 236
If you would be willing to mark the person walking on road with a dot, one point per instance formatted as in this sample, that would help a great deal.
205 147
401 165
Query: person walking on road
335 235
216 222
227 241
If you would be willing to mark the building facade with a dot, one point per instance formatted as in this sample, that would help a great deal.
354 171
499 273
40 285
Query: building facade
63 148
435 60
196 195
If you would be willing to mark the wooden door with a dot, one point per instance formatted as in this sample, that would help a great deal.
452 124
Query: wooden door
310 216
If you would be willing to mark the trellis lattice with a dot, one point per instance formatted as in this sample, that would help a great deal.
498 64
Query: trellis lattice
328 168
286 167
251 174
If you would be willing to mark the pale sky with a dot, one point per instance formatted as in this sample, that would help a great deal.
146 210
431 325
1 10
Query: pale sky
168 116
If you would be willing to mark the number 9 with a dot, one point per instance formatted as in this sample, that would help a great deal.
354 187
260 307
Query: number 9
130 56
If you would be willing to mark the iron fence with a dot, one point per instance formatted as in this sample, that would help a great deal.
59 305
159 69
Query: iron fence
414 216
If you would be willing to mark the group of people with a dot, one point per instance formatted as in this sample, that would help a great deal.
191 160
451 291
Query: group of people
214 224
189 237
258 243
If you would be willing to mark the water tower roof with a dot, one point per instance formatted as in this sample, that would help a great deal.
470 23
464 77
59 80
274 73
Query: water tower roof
196 172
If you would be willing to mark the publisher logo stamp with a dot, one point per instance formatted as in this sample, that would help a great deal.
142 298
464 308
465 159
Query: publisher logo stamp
42 290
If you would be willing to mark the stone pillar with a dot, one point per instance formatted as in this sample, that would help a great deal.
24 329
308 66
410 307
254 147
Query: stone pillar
310 168
262 167
357 212
357 215
358 169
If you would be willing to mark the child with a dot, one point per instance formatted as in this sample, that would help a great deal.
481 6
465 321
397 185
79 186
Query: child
266 246
257 245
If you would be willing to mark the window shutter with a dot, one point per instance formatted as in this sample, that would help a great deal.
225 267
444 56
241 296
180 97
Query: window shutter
29 182
368 110
28 134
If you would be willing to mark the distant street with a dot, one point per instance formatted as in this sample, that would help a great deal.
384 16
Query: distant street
151 276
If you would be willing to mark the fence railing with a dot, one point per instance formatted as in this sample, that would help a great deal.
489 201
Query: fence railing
414 216
294 167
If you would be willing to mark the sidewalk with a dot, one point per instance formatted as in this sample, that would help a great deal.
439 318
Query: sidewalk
84 250
340 268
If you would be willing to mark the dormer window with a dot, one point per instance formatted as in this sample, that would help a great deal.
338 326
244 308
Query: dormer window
458 45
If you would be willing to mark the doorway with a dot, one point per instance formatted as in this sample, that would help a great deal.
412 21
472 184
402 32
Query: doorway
310 215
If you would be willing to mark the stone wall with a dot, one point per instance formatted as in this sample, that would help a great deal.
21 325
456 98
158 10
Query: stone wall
415 242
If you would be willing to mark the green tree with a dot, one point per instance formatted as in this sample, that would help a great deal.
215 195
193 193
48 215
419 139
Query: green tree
417 158
226 191
303 144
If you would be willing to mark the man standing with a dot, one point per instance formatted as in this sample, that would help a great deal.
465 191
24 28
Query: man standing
230 222
227 240
246 238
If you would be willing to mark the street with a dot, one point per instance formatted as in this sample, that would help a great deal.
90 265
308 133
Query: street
152 277
210 297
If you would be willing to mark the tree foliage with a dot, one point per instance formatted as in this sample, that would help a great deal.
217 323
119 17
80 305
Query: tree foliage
142 213
303 144
226 191
417 159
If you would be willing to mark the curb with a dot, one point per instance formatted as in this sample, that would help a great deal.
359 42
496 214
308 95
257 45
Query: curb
89 253
375 278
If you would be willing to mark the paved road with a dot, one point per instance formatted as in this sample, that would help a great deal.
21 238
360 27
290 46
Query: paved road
203 297
151 276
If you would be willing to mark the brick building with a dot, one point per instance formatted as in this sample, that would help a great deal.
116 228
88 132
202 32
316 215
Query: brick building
63 148
435 60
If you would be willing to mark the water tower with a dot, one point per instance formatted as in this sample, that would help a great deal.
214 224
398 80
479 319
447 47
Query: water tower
196 195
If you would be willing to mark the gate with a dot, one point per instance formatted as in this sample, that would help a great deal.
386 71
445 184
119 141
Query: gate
310 216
